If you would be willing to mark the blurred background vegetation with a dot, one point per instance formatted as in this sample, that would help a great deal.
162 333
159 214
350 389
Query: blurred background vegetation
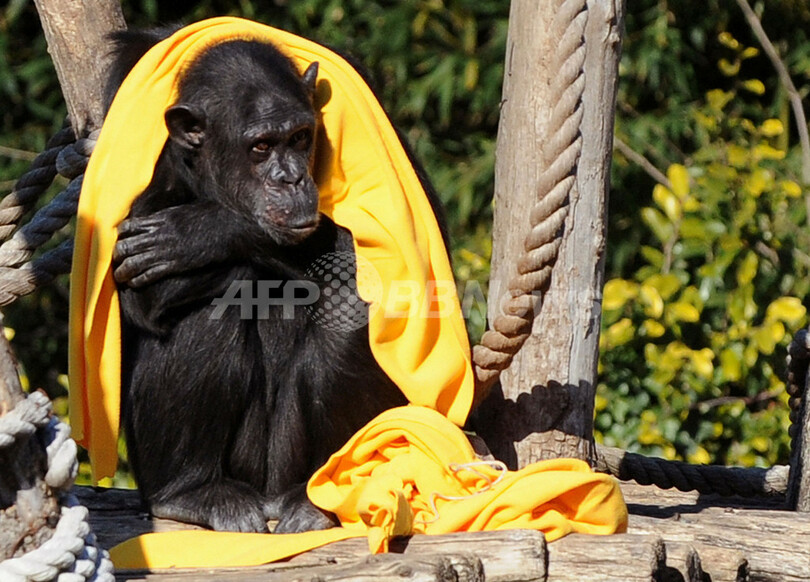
707 264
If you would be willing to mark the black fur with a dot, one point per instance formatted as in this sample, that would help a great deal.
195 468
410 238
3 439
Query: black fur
226 418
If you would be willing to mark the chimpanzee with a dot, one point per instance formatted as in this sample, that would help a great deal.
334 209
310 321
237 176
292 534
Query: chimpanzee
226 417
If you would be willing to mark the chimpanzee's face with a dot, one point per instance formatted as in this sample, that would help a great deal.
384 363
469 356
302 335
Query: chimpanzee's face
248 139
277 148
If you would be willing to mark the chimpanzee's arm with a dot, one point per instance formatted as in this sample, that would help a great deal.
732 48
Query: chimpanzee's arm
183 238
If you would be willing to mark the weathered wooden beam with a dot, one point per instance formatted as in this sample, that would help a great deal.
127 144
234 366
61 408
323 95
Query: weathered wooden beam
508 556
616 558
656 502
77 32
683 564
722 564
776 544
379 568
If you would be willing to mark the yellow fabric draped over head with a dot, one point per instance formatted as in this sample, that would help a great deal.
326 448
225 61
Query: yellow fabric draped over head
366 184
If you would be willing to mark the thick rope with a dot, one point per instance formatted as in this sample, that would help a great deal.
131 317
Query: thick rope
18 277
71 161
727 481
24 419
18 281
33 184
48 220
72 553
560 156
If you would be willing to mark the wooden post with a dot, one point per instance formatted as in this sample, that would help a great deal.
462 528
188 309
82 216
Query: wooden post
76 32
544 407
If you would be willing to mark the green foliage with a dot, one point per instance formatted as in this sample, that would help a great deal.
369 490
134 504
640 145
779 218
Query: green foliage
694 337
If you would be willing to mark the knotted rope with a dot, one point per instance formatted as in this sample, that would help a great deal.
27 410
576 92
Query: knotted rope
72 553
560 155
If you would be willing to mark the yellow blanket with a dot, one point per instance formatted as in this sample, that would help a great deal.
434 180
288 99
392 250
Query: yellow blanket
411 470
367 185
408 471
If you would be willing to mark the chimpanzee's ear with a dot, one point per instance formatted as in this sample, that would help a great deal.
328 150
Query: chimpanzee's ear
186 125
310 78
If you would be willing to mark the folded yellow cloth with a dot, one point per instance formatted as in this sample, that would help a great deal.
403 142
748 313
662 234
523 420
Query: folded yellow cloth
366 184
408 471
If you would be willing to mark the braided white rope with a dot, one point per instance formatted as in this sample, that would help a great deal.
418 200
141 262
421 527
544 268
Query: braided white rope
61 449
24 419
72 554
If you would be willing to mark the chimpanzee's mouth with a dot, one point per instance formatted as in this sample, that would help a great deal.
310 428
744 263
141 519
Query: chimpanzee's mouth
290 233
305 228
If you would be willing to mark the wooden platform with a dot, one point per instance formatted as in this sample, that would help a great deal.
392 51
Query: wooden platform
673 536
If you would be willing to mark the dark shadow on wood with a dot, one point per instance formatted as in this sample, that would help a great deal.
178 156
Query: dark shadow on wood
115 514
502 422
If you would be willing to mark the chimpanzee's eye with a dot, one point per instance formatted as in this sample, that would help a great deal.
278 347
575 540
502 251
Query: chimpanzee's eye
261 147
301 139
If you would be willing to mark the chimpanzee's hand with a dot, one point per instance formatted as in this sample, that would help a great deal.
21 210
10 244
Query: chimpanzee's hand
168 242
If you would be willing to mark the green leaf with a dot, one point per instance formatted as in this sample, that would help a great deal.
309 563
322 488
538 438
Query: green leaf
667 202
747 269
771 128
666 284
681 311
755 86
730 365
653 256
617 293
727 40
679 177
657 222
787 309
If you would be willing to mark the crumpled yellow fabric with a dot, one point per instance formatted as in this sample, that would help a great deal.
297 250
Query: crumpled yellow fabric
366 184
408 471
